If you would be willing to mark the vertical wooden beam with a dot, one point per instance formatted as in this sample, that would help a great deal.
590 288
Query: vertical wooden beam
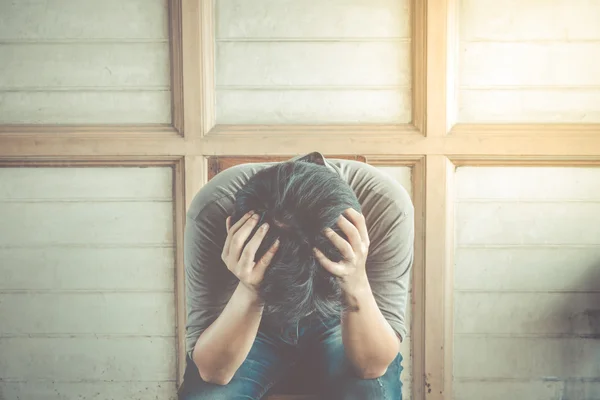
176 52
418 283
452 56
189 176
179 224
439 232
436 75
192 68
195 177
207 43
419 61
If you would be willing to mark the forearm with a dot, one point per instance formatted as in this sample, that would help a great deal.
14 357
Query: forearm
225 344
369 341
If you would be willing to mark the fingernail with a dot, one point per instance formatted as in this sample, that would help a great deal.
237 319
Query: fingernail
264 226
249 213
255 216
277 243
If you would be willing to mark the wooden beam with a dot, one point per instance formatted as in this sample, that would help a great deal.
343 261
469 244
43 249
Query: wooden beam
207 44
419 63
540 130
92 145
179 199
78 161
437 13
312 130
196 176
417 328
439 220
176 52
192 67
43 131
417 331
373 141
474 142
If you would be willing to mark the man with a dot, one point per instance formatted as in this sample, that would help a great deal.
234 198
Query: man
305 258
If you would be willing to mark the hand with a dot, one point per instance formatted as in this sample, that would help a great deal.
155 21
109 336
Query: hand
352 269
240 259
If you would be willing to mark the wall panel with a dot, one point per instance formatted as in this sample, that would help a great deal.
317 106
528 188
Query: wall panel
87 297
527 283
84 62
533 62
285 62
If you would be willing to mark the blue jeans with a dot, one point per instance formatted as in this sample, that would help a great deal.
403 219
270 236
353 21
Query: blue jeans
274 354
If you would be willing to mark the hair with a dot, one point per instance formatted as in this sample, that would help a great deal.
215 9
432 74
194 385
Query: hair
299 200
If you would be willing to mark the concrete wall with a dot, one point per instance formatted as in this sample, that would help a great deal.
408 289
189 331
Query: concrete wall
529 61
87 289
84 62
312 61
527 284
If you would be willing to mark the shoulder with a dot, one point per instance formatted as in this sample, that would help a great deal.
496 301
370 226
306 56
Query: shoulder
217 196
375 188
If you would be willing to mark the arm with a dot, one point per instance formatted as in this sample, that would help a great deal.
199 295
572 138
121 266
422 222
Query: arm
225 344
370 339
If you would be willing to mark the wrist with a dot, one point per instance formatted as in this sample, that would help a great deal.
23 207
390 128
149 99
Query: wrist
356 285
249 296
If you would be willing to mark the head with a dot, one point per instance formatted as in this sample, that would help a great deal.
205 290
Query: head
299 200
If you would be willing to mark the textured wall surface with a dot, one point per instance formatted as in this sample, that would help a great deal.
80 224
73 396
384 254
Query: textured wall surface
527 284
312 61
84 62
87 291
529 61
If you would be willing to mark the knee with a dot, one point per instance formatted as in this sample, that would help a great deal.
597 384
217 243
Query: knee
381 388
386 387
236 389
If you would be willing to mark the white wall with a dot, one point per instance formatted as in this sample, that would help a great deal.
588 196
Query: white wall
527 284
84 62
529 61
87 289
404 176
313 61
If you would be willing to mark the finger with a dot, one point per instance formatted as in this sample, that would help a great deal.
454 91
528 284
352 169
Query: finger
359 222
249 252
238 225
335 268
232 229
351 232
238 239
340 243
265 260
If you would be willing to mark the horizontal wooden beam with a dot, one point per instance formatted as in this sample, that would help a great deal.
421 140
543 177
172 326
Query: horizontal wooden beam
75 131
465 142
92 144
312 130
549 130
381 142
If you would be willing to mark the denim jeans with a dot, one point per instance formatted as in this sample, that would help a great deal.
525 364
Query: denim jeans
274 354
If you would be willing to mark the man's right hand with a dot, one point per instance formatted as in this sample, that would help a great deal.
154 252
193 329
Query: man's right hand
240 259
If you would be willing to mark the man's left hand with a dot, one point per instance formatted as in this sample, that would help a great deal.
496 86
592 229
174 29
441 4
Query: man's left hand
351 270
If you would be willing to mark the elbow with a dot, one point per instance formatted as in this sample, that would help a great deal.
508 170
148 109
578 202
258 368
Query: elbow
371 373
215 377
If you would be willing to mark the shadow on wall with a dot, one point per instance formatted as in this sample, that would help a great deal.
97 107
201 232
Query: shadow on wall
580 346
